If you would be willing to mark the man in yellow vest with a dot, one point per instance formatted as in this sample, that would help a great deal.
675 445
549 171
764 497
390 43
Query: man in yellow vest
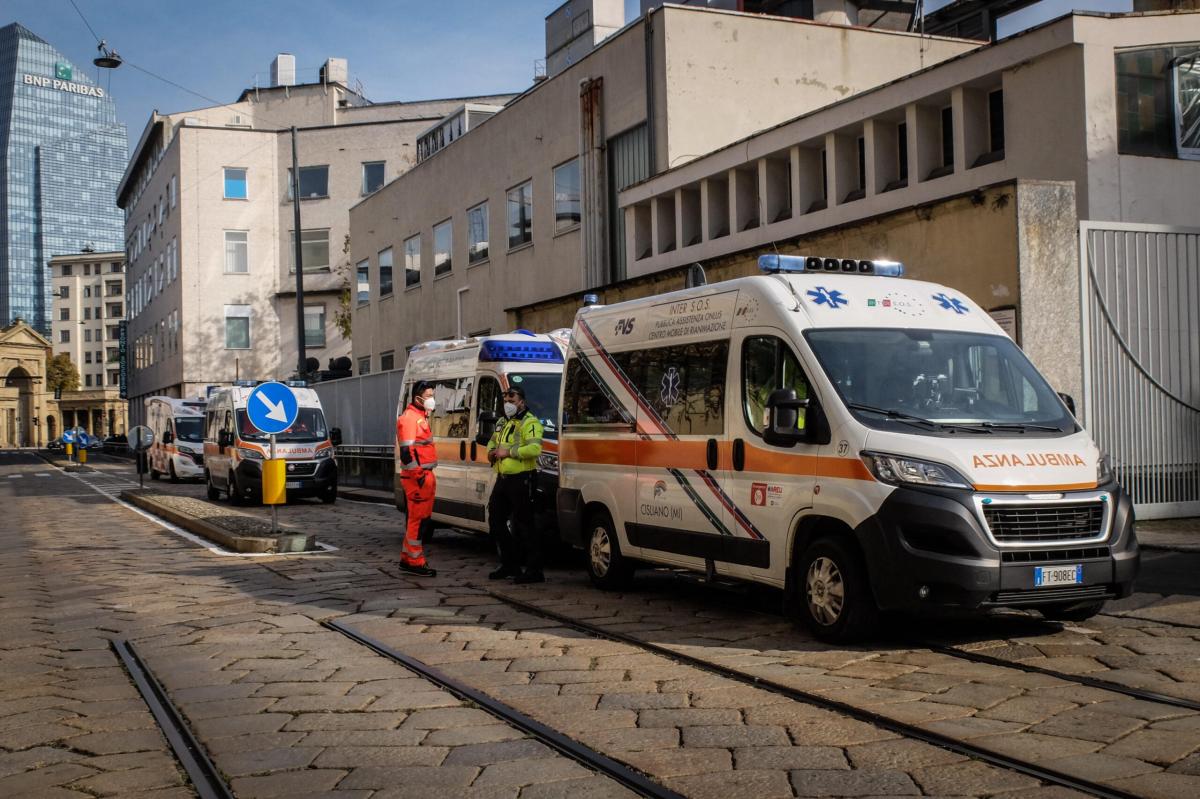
513 452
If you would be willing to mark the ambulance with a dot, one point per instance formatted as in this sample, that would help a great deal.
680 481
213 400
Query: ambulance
864 442
469 378
178 448
234 450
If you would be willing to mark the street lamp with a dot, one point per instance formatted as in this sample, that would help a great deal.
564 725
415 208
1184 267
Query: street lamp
108 58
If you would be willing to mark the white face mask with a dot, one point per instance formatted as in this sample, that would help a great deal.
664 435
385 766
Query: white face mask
430 404
510 409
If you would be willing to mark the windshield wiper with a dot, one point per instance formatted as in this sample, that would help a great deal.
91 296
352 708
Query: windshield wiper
908 418
1022 426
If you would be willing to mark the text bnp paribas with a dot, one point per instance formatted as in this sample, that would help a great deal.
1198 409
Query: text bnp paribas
64 85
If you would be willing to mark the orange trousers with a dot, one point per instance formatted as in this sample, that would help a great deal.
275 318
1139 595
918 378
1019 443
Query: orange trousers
418 495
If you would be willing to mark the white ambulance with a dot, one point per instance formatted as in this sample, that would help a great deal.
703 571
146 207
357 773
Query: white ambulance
864 442
178 448
234 449
469 378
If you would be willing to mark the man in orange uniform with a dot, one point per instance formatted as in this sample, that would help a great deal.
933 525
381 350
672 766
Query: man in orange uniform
418 457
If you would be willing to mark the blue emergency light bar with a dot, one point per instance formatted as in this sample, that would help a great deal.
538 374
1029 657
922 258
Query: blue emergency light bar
524 351
246 383
296 383
796 264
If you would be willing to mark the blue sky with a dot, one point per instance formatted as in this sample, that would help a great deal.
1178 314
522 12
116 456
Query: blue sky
398 49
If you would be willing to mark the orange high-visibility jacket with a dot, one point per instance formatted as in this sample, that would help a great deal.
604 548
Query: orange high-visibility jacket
415 440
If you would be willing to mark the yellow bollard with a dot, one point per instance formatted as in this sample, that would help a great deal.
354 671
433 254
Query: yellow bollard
274 489
83 454
70 450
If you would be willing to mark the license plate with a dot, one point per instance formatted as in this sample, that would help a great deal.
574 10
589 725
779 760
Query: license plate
292 484
1057 575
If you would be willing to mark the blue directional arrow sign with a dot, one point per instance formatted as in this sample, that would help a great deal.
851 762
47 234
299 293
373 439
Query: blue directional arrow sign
68 436
272 407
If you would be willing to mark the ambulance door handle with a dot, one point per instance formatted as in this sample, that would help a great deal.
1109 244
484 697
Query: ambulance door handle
711 453
473 452
462 450
739 454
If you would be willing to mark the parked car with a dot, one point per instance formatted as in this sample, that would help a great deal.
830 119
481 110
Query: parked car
55 444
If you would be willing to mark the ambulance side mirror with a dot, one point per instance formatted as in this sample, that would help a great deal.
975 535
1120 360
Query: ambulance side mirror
167 438
783 418
1069 401
487 426
335 436
224 439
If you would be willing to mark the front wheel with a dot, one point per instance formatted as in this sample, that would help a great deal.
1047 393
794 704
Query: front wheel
329 495
1071 611
835 599
235 492
608 568
213 492
154 473
171 472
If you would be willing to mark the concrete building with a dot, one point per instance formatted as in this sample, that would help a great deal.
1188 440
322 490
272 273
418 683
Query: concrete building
209 226
524 207
88 308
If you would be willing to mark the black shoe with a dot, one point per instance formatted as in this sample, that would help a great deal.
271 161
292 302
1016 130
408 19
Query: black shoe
503 572
418 571
529 577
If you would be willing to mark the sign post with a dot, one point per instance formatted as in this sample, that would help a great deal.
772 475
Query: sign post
68 438
141 438
272 408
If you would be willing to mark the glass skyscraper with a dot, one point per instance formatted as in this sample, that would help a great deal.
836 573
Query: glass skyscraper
62 153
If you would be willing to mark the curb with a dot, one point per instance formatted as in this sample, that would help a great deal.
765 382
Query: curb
1188 548
246 544
372 496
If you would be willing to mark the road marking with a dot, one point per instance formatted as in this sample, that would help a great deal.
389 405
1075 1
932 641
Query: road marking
41 474
15 476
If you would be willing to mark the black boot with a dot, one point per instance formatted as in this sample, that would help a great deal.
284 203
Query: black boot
418 571
503 572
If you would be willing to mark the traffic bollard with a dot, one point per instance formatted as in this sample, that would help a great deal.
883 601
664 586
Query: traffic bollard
83 454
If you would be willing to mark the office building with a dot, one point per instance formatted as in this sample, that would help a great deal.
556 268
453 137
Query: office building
88 308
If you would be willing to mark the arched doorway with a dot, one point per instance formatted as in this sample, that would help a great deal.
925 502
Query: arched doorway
20 423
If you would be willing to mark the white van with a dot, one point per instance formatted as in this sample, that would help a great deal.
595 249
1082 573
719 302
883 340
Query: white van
861 441
178 448
469 377
234 449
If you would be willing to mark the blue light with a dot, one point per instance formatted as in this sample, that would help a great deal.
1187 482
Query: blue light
526 352
798 264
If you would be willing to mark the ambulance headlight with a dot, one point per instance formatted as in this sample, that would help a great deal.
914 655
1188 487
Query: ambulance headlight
323 454
1104 472
548 462
899 470
250 454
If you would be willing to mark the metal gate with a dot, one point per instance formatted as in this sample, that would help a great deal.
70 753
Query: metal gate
1141 359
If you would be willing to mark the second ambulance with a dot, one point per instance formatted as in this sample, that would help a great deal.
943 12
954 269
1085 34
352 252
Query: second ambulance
864 442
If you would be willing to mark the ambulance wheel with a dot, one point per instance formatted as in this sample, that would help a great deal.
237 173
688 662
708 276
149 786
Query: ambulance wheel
155 473
171 473
1071 611
835 599
329 495
608 568
213 493
235 492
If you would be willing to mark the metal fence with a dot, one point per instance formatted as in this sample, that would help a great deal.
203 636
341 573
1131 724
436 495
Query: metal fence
1141 359
365 410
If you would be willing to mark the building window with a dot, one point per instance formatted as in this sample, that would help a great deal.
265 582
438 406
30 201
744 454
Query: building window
64 336
477 234
87 381
172 188
412 261
824 176
87 357
385 272
64 314
947 137
314 182
314 250
520 215
862 164
67 270
1187 104
87 292
443 244
902 151
235 183
237 261
87 314
87 335
114 310
65 292
566 196
387 361
314 325
996 121
237 327
372 176
1158 102
364 365
364 282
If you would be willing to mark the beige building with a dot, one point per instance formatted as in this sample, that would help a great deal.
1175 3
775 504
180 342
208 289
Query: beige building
209 226
524 206
88 292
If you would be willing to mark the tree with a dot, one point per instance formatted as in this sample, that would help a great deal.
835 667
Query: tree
344 314
61 373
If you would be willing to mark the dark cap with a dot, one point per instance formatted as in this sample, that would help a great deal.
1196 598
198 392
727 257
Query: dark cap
420 387
514 389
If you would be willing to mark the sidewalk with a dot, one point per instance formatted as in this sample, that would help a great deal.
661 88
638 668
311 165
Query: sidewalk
1178 535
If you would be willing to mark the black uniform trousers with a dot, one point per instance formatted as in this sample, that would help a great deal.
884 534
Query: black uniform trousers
512 499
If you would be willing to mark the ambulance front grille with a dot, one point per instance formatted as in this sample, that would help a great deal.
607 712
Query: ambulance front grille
1043 523
301 469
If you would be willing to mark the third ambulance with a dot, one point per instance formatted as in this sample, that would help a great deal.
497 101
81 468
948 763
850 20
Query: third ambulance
178 448
862 441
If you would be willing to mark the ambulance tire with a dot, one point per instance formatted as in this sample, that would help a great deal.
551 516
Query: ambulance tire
213 492
154 473
235 492
171 473
606 566
1071 612
835 600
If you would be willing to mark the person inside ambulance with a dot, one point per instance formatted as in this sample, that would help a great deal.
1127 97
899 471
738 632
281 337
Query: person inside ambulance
513 452
770 366
418 458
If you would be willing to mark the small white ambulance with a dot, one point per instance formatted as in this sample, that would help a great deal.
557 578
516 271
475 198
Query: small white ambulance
864 442
469 378
234 449
178 448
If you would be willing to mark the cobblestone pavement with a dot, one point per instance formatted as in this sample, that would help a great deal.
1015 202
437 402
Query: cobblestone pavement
285 706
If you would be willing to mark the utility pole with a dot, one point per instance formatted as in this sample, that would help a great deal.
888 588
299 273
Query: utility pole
302 355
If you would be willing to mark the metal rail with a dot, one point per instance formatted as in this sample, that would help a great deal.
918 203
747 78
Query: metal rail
1081 679
203 774
1042 773
633 780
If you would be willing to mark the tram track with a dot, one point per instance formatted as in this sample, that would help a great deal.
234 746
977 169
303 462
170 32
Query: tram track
1046 774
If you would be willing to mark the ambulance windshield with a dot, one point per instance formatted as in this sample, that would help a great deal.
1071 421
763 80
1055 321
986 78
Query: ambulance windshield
308 427
939 381
189 428
541 395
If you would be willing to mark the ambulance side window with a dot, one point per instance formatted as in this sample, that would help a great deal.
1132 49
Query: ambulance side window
684 385
490 398
583 401
450 417
768 364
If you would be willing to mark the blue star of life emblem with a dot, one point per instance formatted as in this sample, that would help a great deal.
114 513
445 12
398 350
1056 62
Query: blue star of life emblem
669 388
951 303
823 296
